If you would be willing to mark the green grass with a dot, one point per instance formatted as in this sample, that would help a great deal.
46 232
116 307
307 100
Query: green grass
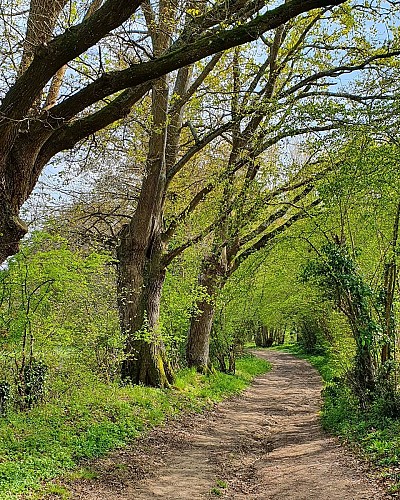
91 418
373 435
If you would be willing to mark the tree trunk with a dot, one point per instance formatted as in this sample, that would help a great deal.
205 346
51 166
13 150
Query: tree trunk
43 15
198 344
12 229
141 271
140 281
146 360
364 374
140 274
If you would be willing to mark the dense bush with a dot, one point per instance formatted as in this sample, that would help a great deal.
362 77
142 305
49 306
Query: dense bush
57 309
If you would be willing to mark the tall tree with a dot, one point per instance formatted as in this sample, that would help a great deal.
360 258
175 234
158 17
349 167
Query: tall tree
271 91
33 128
281 93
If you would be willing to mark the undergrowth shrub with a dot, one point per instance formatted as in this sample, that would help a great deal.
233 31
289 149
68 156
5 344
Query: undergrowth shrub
5 395
83 417
313 334
31 384
373 432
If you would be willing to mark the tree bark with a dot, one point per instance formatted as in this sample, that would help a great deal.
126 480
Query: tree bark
198 343
12 228
140 280
140 283
43 15
140 270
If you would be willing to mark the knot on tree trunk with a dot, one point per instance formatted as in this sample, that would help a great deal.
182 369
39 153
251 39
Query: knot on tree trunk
12 231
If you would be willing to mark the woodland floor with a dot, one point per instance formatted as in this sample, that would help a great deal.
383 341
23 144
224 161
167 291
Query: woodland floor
266 444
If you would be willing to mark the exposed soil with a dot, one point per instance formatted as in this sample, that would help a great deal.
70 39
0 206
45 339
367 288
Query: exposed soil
266 444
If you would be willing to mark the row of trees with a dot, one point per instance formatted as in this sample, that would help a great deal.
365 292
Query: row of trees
209 166
333 280
36 123
325 279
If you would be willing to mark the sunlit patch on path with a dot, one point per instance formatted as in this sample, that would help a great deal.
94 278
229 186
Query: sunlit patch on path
265 445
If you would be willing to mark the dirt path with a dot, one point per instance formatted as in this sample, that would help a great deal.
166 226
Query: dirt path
266 444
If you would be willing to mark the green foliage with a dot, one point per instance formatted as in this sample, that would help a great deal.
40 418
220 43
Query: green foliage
227 342
180 292
372 433
57 309
313 333
336 273
90 417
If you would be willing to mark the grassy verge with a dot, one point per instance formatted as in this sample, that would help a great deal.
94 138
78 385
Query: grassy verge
372 434
91 418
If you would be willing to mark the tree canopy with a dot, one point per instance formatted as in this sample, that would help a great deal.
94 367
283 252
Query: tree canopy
220 173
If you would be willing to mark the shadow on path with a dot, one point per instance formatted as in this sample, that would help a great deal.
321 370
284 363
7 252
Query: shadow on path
265 445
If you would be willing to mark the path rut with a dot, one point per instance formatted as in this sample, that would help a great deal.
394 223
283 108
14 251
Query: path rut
266 444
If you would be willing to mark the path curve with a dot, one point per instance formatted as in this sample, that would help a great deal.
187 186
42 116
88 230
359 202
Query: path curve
266 444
